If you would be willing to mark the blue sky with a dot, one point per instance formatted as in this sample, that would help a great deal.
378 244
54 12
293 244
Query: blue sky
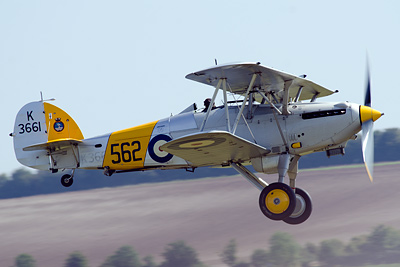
117 64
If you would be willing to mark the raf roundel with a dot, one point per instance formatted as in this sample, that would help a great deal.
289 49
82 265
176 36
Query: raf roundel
154 148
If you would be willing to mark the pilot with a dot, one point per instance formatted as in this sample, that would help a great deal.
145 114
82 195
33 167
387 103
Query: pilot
207 104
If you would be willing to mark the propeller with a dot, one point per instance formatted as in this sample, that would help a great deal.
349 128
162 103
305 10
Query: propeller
368 147
368 115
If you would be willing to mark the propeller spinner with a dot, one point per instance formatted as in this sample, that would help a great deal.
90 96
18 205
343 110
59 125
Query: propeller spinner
367 116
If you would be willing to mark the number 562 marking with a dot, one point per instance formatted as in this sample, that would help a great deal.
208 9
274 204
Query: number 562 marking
128 152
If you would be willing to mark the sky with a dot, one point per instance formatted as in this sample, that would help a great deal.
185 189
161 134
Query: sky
117 64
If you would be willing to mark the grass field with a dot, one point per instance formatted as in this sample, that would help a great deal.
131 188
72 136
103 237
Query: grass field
206 213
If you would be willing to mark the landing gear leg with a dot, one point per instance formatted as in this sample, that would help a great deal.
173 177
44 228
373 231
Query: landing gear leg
253 179
283 166
68 179
278 201
293 170
303 207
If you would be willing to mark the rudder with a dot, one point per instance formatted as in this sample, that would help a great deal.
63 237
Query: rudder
59 124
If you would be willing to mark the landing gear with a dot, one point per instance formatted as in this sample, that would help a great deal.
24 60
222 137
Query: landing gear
67 180
303 208
277 201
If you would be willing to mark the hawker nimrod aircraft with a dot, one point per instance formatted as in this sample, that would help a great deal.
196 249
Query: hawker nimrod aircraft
273 121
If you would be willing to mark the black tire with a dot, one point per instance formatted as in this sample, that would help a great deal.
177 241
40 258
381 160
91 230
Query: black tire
67 180
303 208
277 201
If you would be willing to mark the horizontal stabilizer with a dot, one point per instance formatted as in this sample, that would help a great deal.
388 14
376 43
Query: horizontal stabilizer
214 148
54 144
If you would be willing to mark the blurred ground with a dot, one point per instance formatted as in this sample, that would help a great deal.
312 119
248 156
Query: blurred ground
205 213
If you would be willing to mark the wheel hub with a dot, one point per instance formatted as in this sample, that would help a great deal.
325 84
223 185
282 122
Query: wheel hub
277 201
300 207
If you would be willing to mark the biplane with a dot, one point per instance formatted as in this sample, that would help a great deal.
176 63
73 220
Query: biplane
272 121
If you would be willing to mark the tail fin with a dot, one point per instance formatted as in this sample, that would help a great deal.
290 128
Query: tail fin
39 126
60 125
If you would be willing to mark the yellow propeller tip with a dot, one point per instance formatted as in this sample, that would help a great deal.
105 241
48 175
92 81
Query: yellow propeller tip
369 174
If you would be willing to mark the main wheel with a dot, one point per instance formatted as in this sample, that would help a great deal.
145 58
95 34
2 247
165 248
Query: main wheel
303 208
67 180
277 201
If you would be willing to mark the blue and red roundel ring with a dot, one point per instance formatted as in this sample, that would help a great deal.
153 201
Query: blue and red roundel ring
154 148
